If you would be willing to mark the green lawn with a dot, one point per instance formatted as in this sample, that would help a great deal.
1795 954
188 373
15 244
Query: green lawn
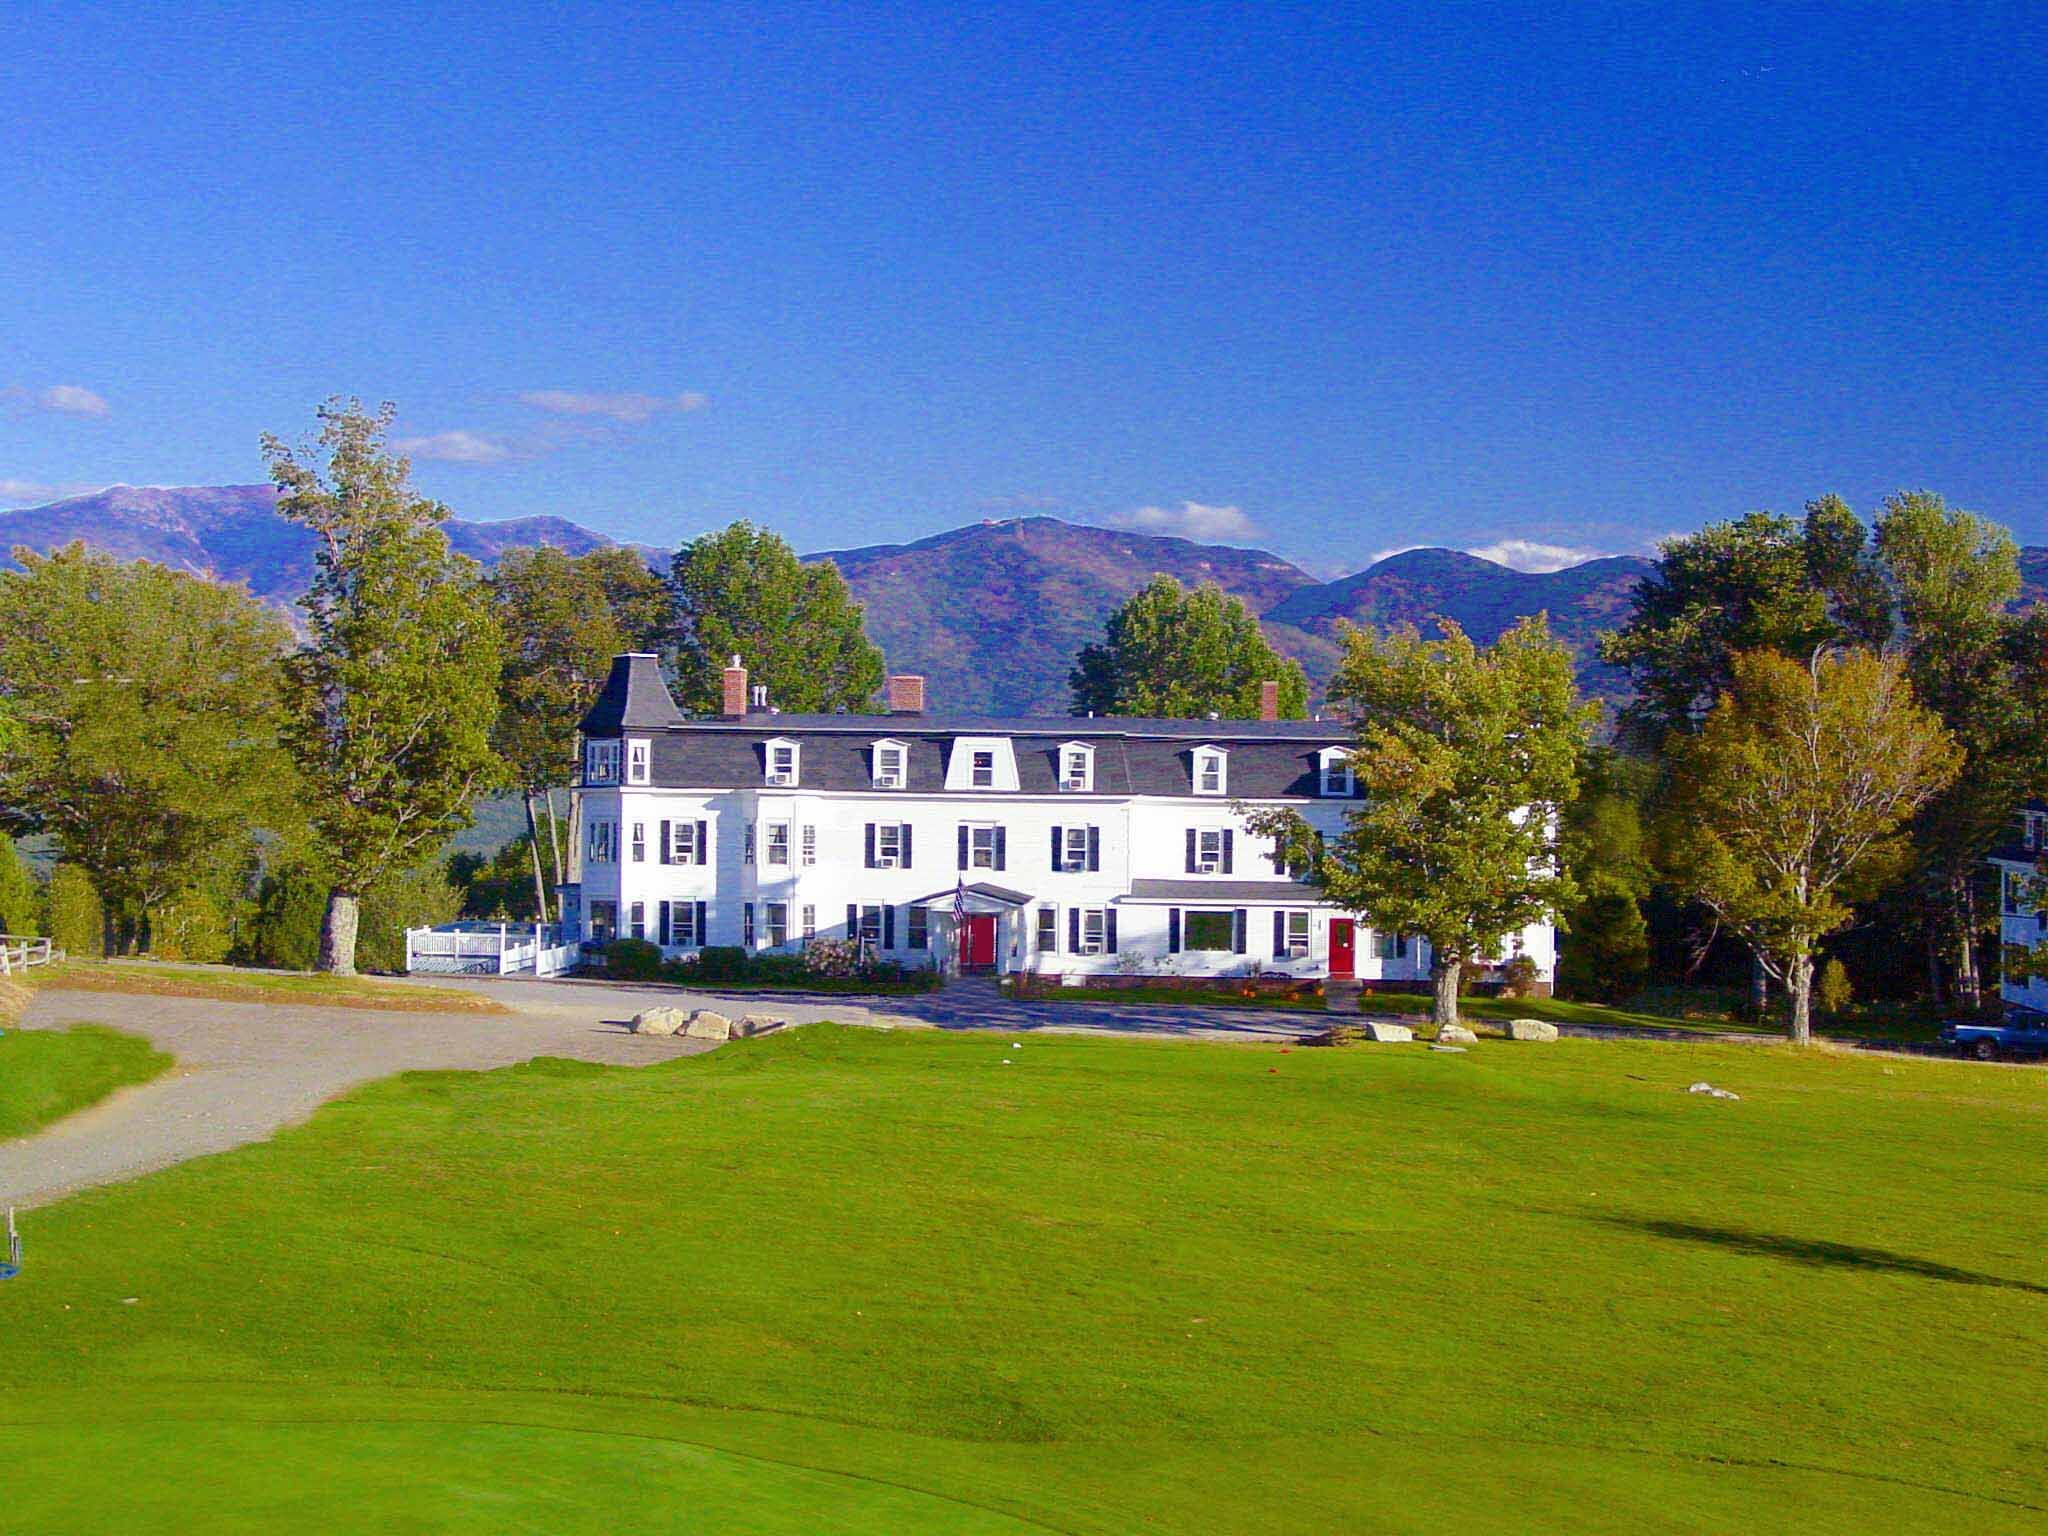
153 978
1876 1021
46 1074
853 1281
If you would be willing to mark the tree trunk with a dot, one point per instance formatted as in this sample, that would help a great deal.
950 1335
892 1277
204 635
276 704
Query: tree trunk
1800 986
1444 1010
1969 989
1934 991
338 935
540 886
1759 989
555 842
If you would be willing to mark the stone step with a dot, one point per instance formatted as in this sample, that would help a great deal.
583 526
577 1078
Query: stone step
1341 996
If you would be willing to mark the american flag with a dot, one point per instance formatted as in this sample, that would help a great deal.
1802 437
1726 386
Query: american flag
959 903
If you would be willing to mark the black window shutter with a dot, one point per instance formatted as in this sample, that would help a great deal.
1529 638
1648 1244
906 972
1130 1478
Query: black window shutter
1173 930
1095 850
1191 850
664 842
703 845
1279 935
1056 850
906 845
871 846
1074 930
664 906
963 845
1109 930
852 921
888 927
701 935
1226 850
1237 926
1002 854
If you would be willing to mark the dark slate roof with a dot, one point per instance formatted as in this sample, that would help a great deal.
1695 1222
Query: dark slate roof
634 698
1223 890
707 755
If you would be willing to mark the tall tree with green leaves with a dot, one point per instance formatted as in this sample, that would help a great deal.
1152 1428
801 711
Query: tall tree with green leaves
392 698
1789 803
1466 759
563 617
148 715
743 592
1606 950
1177 654
21 903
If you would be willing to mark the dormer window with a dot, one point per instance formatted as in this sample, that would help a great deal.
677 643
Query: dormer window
1211 771
1077 768
981 763
982 770
782 764
890 764
639 756
601 762
1337 776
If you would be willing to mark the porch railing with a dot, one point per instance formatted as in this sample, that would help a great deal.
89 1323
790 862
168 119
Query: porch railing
18 952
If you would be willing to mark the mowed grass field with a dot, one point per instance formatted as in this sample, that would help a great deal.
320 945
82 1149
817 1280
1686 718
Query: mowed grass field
848 1281
48 1074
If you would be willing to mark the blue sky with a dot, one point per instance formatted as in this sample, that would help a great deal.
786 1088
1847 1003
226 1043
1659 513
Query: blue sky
1332 279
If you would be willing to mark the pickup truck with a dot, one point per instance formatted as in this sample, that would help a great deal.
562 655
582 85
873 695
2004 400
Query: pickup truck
2023 1033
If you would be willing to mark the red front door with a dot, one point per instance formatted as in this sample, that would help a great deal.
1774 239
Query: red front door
1343 955
978 943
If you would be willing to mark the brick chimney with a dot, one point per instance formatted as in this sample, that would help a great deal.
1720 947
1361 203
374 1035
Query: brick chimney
733 698
906 695
1269 701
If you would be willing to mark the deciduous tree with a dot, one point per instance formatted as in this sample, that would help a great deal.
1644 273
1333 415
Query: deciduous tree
1172 653
743 592
1790 802
1465 759
393 696
148 710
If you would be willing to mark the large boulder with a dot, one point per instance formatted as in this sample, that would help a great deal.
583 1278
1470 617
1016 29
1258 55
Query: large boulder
1387 1033
1531 1029
756 1024
1456 1034
706 1025
659 1021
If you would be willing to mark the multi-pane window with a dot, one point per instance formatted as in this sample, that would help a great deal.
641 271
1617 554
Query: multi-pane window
777 924
782 762
636 920
810 842
601 762
747 925
1048 930
888 766
639 842
1094 928
1076 768
888 845
1336 773
601 845
1208 852
981 847
1209 772
982 770
810 918
871 925
637 758
1296 933
747 848
1209 930
682 843
778 842
1389 946
1074 855
920 934
682 924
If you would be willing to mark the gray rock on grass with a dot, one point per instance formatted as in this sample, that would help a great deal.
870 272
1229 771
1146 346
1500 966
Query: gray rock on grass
1456 1034
1712 1092
707 1025
1386 1033
757 1024
1531 1029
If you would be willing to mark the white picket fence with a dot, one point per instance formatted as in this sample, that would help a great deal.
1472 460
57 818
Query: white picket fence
505 950
18 952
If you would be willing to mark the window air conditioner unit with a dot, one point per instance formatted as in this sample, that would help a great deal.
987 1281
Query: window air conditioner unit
885 861
783 780
1075 784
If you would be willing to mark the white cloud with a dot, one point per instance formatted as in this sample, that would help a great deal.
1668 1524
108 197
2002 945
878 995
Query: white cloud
631 409
64 399
457 448
31 493
1532 555
1189 520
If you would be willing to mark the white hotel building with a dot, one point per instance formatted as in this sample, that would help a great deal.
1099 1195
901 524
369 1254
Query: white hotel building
1091 847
